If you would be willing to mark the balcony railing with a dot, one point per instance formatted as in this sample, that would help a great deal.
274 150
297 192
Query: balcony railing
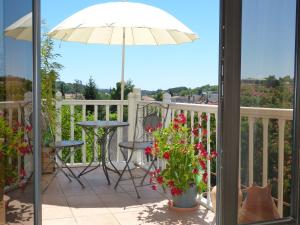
193 112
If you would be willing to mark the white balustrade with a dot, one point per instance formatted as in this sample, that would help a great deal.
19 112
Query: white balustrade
194 115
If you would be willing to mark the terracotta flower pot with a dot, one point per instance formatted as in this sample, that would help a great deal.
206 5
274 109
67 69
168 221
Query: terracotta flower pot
213 195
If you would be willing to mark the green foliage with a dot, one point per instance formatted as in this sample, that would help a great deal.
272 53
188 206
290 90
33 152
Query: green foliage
116 92
49 74
269 93
185 162
90 90
12 145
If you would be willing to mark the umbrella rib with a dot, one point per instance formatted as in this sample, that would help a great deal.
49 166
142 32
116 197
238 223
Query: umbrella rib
172 36
133 41
153 36
111 34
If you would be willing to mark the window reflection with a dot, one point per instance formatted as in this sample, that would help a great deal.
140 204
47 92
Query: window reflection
16 153
267 75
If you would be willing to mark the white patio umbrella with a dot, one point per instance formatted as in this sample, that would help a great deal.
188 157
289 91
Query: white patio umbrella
21 29
123 23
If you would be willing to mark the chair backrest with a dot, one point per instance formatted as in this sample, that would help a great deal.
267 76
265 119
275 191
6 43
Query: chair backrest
149 117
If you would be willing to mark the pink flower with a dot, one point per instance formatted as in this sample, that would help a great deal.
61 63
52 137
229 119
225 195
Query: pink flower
148 150
166 155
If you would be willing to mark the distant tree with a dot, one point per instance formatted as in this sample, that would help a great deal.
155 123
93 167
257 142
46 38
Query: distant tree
116 92
77 87
62 88
159 95
90 90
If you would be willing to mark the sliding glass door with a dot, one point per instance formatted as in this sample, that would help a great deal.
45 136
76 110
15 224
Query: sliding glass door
17 127
259 79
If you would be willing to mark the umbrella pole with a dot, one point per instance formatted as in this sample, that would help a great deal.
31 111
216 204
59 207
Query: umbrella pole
123 71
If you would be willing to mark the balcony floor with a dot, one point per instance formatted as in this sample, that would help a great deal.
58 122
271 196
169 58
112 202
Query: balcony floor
67 203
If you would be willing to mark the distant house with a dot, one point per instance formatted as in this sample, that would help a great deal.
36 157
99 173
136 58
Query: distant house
147 98
71 96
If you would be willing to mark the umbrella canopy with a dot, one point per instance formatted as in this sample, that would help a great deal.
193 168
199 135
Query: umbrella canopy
107 23
123 23
21 29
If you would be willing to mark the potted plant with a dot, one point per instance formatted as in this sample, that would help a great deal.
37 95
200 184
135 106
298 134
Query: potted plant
185 172
12 145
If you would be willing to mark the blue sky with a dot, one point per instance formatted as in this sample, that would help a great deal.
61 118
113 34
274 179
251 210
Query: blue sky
150 67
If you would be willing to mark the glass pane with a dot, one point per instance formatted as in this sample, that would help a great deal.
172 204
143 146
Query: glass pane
267 74
16 153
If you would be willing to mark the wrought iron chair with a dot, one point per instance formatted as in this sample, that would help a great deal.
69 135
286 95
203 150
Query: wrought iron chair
148 118
58 146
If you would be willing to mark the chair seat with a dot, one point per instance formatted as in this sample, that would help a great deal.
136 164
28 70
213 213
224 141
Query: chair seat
68 144
135 145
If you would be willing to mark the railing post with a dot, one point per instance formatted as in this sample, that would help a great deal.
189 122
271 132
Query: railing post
133 98
167 100
58 105
28 158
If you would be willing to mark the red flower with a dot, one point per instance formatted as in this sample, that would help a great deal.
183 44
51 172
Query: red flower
176 126
196 132
166 155
176 191
148 150
160 179
159 125
204 177
28 128
204 132
157 171
22 173
203 153
202 164
182 118
213 154
199 146
149 129
171 183
195 171
154 187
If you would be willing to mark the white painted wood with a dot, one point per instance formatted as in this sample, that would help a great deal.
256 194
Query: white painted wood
119 134
192 126
265 150
251 121
281 124
83 149
208 161
95 137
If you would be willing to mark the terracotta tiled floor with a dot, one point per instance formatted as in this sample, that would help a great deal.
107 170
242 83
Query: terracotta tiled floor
67 203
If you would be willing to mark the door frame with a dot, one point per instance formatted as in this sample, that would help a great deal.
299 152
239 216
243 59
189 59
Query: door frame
36 25
229 117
